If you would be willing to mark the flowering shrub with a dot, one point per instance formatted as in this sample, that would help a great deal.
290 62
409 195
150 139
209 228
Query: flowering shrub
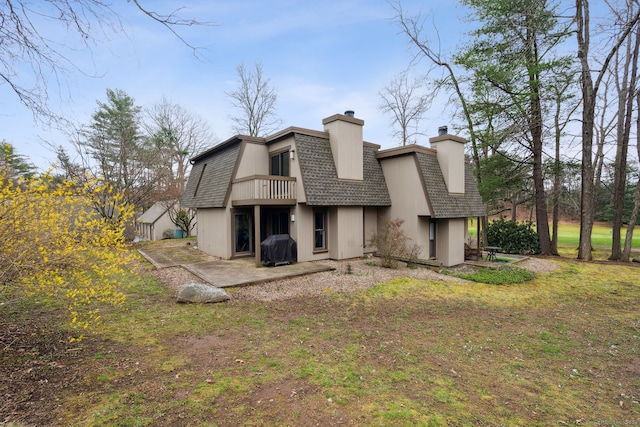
55 244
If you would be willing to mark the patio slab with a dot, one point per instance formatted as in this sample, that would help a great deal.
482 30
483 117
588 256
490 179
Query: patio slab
174 255
243 272
225 273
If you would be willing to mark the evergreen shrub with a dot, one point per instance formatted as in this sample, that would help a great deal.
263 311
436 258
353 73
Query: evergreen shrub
513 237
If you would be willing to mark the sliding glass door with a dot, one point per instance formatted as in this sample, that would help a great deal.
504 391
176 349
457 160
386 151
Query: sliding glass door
243 232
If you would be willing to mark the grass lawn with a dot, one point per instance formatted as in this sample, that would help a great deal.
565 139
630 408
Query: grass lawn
562 349
601 237
569 237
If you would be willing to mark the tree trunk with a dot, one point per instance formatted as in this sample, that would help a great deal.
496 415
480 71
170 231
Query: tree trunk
620 173
556 187
542 220
626 253
588 111
589 92
587 199
626 96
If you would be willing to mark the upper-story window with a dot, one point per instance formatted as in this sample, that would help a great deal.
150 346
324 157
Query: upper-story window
280 164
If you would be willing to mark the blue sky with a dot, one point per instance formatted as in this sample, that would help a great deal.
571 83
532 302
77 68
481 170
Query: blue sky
323 58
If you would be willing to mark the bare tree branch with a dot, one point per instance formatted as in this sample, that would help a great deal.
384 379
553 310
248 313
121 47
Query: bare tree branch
404 99
35 38
177 135
172 20
256 100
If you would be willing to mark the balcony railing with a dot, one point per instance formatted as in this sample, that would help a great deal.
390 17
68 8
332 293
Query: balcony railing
264 189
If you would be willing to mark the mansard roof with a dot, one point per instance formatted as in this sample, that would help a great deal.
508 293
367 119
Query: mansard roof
320 179
442 203
212 174
210 179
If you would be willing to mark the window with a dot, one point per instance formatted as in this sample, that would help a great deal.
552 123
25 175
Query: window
320 230
280 223
432 238
243 224
273 221
280 164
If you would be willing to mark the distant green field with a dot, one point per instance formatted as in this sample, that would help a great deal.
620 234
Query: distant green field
569 237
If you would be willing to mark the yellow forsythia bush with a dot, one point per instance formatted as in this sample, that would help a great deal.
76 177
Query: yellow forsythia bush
54 243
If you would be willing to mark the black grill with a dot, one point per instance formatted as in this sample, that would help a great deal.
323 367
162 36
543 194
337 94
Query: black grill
278 249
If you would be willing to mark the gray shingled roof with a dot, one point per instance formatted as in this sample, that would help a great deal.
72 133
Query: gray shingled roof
209 189
154 213
320 179
446 205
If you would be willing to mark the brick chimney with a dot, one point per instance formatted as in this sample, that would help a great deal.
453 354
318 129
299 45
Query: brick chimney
345 137
450 153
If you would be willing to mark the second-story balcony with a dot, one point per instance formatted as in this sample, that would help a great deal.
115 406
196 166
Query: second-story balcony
264 190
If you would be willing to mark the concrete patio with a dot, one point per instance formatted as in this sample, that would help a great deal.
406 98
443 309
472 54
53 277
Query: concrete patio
225 273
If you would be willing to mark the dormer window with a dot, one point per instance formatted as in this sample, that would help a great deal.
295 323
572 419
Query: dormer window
280 163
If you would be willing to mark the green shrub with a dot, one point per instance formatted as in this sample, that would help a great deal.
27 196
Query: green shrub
513 237
503 275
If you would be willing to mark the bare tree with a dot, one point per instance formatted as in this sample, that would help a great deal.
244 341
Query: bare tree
404 99
256 100
184 219
30 51
177 135
625 68
626 253
413 28
564 107
603 131
590 88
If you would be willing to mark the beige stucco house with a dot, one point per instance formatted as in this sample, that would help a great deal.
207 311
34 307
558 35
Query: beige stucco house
331 191
154 221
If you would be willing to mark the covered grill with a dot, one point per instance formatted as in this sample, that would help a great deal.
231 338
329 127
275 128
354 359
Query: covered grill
278 249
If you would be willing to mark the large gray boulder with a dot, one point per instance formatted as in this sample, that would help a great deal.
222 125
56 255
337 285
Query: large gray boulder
201 293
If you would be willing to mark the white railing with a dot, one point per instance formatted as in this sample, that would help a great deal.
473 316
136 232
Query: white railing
263 187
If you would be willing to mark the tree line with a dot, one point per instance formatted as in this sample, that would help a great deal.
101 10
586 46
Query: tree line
548 95
143 154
